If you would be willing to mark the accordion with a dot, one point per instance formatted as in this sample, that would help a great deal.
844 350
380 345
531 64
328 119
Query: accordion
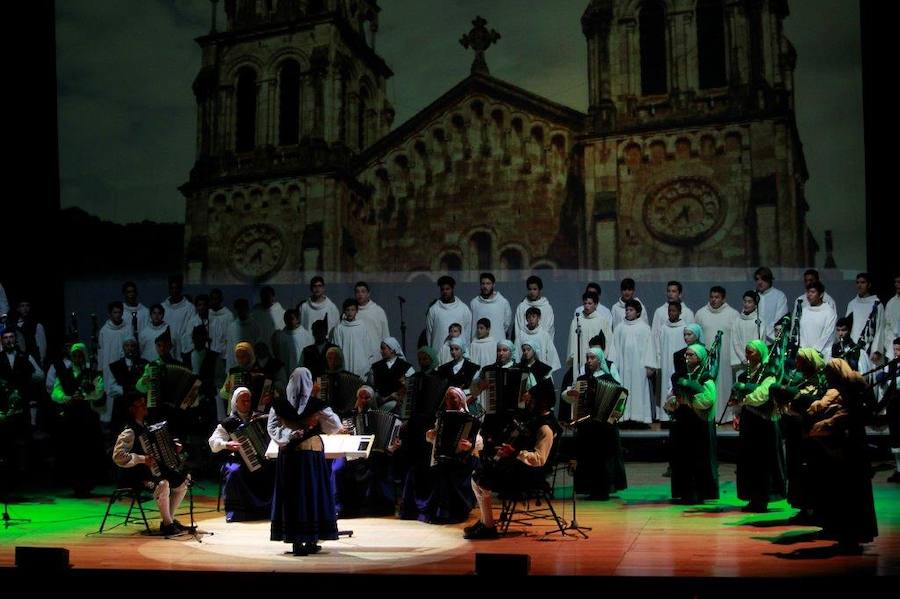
254 439
424 394
338 391
157 442
506 388
383 425
603 401
452 427
171 384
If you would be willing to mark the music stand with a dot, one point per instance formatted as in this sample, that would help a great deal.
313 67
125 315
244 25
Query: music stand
573 525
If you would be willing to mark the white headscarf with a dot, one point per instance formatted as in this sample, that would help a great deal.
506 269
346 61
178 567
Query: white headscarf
299 388
392 343
234 396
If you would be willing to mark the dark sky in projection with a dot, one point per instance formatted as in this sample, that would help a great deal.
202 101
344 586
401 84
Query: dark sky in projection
127 116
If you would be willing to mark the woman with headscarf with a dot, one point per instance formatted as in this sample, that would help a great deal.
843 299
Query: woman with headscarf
691 402
339 386
459 371
600 467
451 497
389 373
840 470
247 494
428 389
793 399
303 511
248 373
760 461
530 363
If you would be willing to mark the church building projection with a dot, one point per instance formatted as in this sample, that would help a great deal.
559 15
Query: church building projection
688 155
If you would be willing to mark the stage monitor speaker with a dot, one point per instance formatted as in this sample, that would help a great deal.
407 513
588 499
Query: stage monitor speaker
43 558
502 564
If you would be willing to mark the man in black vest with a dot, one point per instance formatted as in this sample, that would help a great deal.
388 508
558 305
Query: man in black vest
169 488
125 371
32 332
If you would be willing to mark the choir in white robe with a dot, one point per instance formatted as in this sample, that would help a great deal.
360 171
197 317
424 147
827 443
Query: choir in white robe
591 326
861 309
496 309
269 320
744 329
669 339
178 315
546 349
712 320
373 316
439 318
143 315
310 312
601 309
618 313
633 354
542 304
287 346
219 322
109 349
826 299
772 306
891 324
353 339
483 351
661 317
147 340
817 328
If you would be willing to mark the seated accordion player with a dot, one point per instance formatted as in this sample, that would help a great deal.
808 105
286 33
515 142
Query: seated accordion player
254 439
338 391
171 384
157 442
452 427
422 396
505 389
384 426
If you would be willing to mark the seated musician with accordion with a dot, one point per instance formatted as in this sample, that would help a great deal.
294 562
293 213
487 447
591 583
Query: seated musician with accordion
519 464
149 458
365 486
455 447
303 510
597 403
248 478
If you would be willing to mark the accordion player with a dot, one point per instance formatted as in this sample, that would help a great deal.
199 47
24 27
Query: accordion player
453 426
338 391
169 384
599 400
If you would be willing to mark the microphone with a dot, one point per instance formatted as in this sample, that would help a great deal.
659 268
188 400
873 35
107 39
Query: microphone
402 299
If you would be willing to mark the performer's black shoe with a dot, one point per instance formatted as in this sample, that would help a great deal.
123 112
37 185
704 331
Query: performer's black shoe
470 529
179 526
755 508
169 529
301 549
313 548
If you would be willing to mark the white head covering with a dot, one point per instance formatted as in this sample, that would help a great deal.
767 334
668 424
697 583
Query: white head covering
234 396
298 388
392 343
460 343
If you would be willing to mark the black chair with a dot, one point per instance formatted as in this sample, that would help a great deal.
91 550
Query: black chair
534 503
136 496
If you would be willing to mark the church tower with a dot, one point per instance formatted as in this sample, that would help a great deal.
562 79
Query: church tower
287 97
691 155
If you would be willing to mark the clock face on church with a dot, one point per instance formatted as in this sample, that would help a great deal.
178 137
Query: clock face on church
257 252
683 211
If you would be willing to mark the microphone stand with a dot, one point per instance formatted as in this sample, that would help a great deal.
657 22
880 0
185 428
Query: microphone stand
573 525
402 324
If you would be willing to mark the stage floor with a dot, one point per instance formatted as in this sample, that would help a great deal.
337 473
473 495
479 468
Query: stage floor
637 533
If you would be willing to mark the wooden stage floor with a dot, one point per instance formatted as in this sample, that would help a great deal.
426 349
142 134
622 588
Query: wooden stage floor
637 534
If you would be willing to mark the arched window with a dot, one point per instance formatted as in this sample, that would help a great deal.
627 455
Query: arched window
653 48
511 259
450 263
289 104
245 111
482 245
711 43
361 136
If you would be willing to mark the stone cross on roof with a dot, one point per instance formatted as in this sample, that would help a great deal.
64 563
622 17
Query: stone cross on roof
479 39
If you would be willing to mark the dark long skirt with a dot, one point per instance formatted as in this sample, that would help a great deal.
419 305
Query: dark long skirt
451 497
303 504
760 461
247 495
695 469
842 499
600 469
796 454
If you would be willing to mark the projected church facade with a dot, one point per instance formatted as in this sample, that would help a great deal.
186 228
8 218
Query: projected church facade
688 154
